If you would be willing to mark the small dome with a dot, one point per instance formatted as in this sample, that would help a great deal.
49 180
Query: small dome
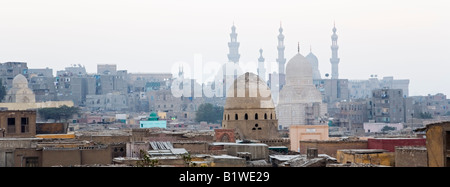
312 58
249 92
315 65
20 81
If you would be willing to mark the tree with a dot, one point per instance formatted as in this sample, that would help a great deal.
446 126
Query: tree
2 90
425 115
387 128
146 160
209 113
58 113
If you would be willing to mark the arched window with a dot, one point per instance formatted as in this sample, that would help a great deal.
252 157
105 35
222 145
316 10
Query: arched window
256 116
270 116
265 115
228 116
246 116
236 117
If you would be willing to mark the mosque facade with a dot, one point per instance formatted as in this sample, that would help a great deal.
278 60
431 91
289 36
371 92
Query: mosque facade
299 102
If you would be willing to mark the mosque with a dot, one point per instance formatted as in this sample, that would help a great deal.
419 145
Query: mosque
249 109
20 97
300 103
252 108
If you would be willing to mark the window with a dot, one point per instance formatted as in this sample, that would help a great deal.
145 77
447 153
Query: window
256 116
11 125
31 162
265 116
256 127
236 117
24 125
228 116
246 116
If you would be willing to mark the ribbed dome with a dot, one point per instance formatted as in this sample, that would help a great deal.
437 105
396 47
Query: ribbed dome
249 92
299 70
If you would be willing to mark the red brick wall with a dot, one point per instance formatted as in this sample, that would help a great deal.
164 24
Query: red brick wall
390 143
219 133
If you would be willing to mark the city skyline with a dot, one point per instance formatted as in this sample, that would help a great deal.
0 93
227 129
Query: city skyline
382 38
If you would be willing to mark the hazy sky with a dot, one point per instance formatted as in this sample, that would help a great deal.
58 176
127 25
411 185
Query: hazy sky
407 39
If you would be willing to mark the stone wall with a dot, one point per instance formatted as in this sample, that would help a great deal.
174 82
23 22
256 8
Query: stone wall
330 147
410 156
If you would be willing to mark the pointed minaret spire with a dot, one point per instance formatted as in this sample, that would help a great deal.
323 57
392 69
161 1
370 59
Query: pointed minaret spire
261 68
233 45
334 55
281 60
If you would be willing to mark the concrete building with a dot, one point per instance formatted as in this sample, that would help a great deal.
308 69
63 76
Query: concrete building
44 72
9 70
106 69
362 89
333 90
387 106
43 87
299 102
351 114
435 105
249 109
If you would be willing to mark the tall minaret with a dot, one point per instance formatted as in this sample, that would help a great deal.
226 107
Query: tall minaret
233 45
261 68
281 60
334 55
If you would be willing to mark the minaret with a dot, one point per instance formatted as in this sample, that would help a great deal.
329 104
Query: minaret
334 55
233 45
281 60
261 68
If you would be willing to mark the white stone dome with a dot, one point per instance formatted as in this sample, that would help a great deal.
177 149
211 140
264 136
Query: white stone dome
299 71
20 81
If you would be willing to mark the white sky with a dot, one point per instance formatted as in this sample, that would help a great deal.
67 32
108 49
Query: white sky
407 39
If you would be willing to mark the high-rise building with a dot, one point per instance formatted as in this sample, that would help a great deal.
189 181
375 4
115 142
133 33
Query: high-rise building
334 55
387 105
261 68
